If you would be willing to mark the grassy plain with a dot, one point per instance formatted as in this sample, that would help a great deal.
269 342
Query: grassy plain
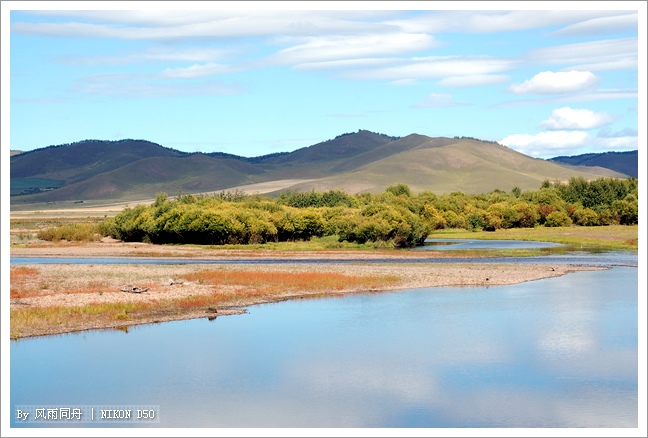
611 237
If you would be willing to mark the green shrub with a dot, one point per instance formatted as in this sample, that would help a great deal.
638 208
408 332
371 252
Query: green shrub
625 211
394 218
586 217
558 219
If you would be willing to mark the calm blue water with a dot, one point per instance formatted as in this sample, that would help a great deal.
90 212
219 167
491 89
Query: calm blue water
454 244
558 352
613 258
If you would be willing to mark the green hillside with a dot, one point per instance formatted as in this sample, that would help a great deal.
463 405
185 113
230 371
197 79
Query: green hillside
356 162
192 173
460 165
79 161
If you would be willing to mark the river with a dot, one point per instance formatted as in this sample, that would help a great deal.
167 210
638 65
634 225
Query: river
557 352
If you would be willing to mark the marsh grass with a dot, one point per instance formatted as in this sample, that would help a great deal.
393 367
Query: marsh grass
611 237
273 282
79 232
41 223
230 289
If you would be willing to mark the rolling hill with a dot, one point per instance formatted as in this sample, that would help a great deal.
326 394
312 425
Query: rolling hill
356 162
444 165
82 160
622 162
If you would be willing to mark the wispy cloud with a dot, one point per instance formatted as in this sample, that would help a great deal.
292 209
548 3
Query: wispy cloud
548 82
197 71
152 54
616 143
588 96
604 55
150 90
495 21
438 101
38 101
338 48
568 118
473 81
548 143
433 67
185 25
601 25
625 132
347 116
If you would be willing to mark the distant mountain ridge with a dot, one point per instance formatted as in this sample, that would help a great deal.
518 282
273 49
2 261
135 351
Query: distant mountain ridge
622 162
353 162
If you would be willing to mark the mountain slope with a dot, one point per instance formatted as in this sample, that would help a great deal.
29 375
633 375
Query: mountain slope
79 161
622 162
466 165
192 173
357 162
321 158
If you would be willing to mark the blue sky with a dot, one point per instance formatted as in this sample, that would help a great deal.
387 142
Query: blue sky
545 82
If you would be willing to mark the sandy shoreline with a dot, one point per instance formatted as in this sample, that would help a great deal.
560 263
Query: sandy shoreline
111 248
66 286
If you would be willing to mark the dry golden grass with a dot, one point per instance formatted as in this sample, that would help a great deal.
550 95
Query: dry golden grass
227 288
289 281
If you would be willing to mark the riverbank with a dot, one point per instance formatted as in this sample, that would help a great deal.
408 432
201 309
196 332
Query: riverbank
55 299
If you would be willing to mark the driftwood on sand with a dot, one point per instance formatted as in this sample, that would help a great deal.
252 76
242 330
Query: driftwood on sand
133 289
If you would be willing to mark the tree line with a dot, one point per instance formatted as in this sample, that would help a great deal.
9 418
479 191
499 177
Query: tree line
396 216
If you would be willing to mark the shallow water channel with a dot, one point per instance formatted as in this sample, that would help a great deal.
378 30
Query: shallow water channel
553 253
558 352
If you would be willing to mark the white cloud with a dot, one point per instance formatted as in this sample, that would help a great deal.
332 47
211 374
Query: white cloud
153 54
600 94
553 143
620 64
548 82
179 25
591 96
601 25
196 71
568 118
432 67
438 101
617 143
494 21
548 143
365 63
403 82
603 55
345 47
473 80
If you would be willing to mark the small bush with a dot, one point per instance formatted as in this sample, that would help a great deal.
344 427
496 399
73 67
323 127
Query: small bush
586 217
557 219
83 232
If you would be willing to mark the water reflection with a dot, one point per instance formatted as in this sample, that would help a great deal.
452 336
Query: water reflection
559 352
456 244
